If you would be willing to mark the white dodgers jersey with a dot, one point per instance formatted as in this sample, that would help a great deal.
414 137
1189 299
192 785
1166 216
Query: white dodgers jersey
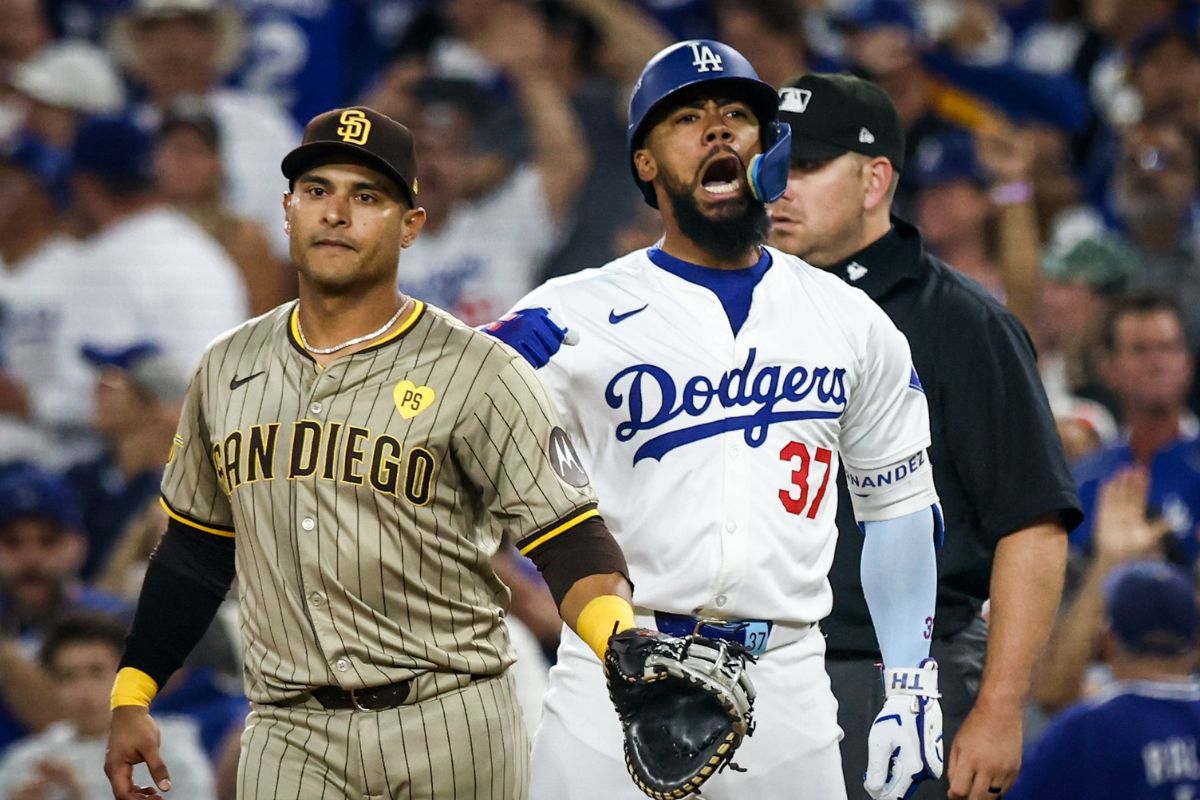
715 456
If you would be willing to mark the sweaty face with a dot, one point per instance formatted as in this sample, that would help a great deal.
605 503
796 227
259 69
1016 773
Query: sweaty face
346 227
701 148
820 215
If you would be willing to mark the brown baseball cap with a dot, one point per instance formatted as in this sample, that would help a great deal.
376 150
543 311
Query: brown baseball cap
357 135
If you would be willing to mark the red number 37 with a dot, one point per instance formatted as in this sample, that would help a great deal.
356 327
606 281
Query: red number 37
795 497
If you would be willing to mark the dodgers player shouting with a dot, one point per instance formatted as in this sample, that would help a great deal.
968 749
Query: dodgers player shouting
716 386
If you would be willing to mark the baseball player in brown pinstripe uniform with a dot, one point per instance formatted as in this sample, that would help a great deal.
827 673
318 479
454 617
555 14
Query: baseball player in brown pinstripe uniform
356 458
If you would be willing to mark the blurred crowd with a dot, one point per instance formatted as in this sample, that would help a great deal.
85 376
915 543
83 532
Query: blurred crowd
1052 156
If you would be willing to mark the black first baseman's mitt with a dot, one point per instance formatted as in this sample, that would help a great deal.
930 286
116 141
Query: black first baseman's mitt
685 705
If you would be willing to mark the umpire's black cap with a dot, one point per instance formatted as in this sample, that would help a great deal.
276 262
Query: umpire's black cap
832 114
358 135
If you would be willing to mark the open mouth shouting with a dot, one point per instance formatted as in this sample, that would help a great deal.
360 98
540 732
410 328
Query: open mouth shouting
722 178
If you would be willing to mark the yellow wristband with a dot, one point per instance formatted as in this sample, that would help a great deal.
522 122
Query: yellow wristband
133 688
601 618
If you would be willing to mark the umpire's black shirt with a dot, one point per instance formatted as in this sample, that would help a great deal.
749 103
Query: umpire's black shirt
997 460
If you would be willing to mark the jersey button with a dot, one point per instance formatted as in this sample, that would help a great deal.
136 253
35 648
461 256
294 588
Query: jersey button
308 523
341 665
731 526
734 452
316 408
720 600
315 600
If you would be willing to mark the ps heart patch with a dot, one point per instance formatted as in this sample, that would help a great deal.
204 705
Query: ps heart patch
412 399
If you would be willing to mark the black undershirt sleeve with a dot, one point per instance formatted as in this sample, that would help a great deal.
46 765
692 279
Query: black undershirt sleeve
586 549
188 577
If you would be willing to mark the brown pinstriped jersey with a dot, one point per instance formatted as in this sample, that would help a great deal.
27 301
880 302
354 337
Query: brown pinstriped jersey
367 498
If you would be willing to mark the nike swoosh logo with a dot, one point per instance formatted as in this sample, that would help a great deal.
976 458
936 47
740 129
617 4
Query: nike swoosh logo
614 317
238 382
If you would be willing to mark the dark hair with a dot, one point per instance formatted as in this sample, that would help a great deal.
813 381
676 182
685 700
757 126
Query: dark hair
78 627
1141 302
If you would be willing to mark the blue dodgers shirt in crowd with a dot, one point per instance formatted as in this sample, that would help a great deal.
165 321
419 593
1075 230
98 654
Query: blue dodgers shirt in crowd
1136 742
1174 489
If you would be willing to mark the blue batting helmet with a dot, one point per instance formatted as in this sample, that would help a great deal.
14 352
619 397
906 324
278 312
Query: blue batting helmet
708 62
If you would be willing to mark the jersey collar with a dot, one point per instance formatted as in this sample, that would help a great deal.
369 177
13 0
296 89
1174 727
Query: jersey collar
293 332
892 259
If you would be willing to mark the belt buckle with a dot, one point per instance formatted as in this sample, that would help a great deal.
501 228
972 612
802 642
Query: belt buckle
354 700
723 624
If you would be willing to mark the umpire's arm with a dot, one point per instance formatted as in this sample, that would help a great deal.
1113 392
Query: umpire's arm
1007 452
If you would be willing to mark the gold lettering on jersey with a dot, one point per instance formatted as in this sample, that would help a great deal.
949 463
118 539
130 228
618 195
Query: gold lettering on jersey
355 127
306 441
354 454
218 462
336 452
412 399
262 448
329 447
232 447
385 464
418 480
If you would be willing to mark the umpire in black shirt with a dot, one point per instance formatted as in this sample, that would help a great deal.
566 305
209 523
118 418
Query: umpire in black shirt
1005 488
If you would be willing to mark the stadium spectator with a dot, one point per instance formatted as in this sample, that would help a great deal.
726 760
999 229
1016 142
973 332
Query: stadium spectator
1123 532
770 32
482 245
41 550
953 208
38 420
60 86
177 49
191 177
1165 72
25 31
1153 195
1139 738
66 761
1145 362
1079 281
148 272
138 395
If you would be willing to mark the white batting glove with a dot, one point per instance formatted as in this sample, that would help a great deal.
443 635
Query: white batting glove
905 743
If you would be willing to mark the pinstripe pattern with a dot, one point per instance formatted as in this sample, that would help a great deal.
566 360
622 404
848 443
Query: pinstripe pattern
468 744
366 500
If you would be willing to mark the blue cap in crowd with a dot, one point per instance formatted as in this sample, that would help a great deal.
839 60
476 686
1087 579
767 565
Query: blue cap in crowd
29 491
146 365
1152 608
47 164
946 158
115 149
867 14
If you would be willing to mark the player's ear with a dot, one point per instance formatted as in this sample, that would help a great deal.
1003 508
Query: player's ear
411 224
647 167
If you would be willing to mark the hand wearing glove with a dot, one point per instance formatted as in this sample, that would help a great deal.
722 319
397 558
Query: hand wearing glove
532 333
905 743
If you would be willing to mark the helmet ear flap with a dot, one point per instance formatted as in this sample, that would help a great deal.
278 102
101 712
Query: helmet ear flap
768 171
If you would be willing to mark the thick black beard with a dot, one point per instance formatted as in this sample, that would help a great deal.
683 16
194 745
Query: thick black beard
725 239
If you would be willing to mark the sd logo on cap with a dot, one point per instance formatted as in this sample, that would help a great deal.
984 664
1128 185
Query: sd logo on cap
357 135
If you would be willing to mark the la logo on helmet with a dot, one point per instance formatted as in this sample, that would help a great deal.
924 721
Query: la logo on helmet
704 59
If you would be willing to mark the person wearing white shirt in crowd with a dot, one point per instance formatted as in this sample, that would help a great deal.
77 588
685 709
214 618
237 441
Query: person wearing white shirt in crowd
147 271
66 760
61 85
483 247
36 265
176 49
